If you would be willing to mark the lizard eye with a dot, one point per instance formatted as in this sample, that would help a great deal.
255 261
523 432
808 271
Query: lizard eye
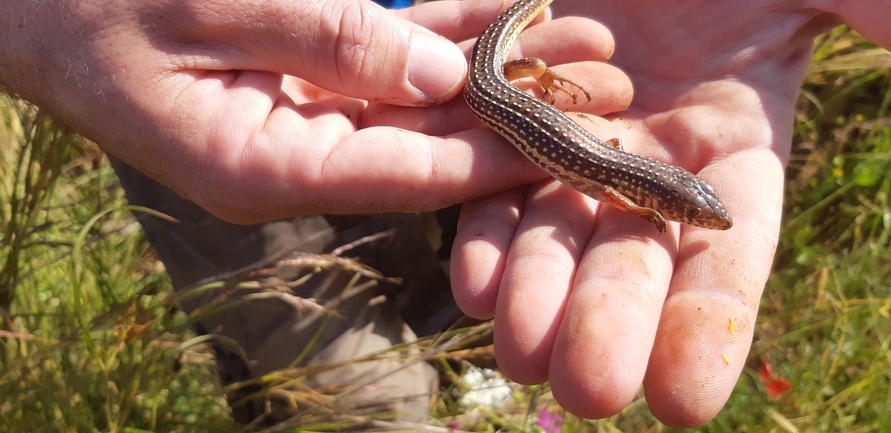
691 212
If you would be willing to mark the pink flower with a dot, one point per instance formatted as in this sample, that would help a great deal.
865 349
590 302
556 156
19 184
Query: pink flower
548 423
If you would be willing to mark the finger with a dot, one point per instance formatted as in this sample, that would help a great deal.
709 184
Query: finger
258 156
611 317
719 278
566 40
539 271
612 314
353 47
579 55
309 161
610 91
486 229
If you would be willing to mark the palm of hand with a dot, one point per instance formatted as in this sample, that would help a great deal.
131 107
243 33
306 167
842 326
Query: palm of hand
594 300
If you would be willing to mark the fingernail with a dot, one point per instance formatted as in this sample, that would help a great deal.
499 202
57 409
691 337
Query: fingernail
435 65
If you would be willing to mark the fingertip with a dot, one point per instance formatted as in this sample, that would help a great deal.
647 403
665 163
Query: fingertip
486 228
518 363
593 387
701 348
474 269
601 352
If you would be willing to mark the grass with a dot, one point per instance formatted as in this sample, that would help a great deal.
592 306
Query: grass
88 344
91 339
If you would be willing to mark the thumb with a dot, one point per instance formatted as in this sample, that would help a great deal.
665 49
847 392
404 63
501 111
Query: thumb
352 47
365 51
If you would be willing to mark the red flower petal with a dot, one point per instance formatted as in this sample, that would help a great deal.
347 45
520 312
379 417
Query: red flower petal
778 386
765 371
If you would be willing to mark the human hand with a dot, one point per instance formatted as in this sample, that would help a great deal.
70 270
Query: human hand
259 110
195 94
595 300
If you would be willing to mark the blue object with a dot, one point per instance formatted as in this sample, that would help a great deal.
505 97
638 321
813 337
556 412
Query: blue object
394 4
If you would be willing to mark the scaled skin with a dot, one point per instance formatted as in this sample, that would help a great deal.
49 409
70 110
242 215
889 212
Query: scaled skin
203 96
